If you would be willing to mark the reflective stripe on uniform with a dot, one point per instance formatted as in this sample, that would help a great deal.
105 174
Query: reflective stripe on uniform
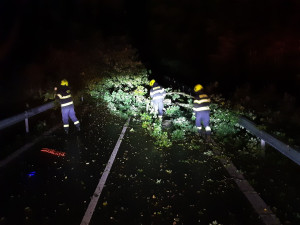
201 101
158 97
203 96
158 91
201 108
66 104
199 128
66 125
64 97
77 122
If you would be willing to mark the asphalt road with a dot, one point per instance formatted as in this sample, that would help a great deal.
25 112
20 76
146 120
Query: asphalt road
179 185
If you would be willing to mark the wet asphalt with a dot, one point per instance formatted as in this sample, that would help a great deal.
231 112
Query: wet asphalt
179 185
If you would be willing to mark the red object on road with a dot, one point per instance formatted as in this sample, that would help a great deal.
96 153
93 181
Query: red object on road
53 152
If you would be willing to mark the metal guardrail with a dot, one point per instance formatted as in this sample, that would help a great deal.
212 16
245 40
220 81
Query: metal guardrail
285 149
24 116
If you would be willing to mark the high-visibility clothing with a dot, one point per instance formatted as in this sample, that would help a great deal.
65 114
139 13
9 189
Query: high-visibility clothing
64 95
202 118
202 111
69 112
158 93
201 102
158 106
67 107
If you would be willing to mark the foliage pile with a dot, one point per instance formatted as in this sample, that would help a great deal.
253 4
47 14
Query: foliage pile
127 95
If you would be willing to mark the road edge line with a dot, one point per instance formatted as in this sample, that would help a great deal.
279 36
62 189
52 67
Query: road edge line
264 212
94 200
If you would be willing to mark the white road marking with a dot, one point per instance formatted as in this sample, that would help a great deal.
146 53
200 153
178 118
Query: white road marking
91 208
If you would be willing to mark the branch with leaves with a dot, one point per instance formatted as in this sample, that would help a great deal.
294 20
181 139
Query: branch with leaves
179 93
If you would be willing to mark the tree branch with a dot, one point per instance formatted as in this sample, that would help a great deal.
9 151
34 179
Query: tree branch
184 105
180 93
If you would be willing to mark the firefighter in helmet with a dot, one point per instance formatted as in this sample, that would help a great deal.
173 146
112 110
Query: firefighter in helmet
67 107
202 111
157 93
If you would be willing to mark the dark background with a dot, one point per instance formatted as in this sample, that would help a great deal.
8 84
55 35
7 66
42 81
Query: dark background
233 42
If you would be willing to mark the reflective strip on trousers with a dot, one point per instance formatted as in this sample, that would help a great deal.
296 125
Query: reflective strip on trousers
207 128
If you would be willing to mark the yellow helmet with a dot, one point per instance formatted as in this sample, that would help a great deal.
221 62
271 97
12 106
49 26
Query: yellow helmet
198 87
152 82
64 82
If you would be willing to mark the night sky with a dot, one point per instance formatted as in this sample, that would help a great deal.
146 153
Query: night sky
233 42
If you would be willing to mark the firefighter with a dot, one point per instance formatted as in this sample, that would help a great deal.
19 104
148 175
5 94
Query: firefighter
202 111
157 93
67 106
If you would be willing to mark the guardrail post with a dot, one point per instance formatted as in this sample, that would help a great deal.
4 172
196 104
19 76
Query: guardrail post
262 147
262 144
26 122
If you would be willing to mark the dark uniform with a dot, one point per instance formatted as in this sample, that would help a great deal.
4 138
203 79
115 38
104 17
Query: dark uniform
67 107
202 111
158 93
